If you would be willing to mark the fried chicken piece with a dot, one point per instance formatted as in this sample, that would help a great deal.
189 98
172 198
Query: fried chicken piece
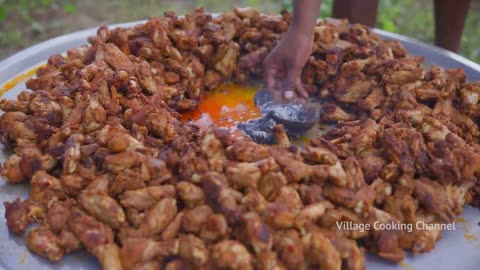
114 57
212 79
281 136
230 254
353 90
158 217
385 243
68 241
406 148
16 216
190 194
271 184
333 215
11 171
353 257
72 153
433 129
450 162
194 218
103 207
434 198
163 126
309 214
365 139
154 169
267 259
243 175
402 77
289 198
99 184
276 215
295 170
92 233
289 248
318 155
247 12
193 249
177 264
173 228
371 163
31 160
142 199
214 228
44 243
311 193
228 60
424 240
15 126
220 197
247 151
136 251
402 206
258 233
73 183
94 116
122 161
214 151
109 256
14 105
58 214
45 188
320 251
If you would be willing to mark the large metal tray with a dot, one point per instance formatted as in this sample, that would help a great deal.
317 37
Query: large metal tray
458 249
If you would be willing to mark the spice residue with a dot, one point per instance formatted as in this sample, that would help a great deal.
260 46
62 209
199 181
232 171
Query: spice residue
18 79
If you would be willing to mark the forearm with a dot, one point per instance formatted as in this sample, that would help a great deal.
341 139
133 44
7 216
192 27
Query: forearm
305 15
449 22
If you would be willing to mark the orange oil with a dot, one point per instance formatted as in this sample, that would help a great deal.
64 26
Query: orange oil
225 106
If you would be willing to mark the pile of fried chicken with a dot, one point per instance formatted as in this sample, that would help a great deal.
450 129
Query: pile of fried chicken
114 170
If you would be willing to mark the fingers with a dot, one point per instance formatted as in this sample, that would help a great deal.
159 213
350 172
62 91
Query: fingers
269 77
300 89
272 85
272 80
293 86
284 86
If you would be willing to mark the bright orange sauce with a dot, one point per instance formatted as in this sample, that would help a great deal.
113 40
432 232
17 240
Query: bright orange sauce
225 106
18 79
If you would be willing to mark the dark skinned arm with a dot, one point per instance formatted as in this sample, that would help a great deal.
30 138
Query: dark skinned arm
356 11
449 22
284 64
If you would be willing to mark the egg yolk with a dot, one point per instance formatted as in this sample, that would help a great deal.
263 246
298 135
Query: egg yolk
225 106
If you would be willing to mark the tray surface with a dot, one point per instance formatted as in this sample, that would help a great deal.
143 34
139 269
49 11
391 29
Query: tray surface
458 249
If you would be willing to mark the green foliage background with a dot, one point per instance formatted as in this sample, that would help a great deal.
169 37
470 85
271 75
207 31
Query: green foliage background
26 22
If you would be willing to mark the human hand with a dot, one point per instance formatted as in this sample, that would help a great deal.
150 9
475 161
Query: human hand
284 64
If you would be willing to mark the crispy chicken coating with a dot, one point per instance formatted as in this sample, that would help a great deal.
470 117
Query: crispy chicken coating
43 242
230 254
142 199
103 207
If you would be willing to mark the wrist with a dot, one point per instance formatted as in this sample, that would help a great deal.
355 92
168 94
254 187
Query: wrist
307 32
